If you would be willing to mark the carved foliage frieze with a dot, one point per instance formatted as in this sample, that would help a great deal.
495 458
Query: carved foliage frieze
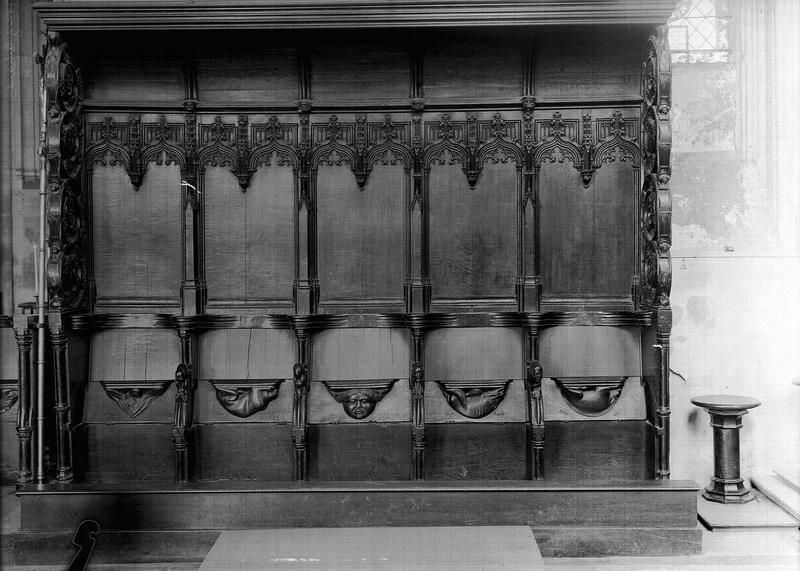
359 398
587 143
61 148
244 398
134 397
655 200
474 399
361 143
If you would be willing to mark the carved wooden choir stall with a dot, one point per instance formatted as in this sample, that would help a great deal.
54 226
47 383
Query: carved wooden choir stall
352 263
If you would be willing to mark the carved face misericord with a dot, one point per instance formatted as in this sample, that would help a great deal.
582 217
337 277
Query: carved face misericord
359 405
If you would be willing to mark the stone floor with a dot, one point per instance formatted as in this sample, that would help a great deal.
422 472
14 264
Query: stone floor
751 549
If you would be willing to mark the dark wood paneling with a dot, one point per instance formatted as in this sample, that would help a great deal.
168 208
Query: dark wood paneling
242 451
142 547
112 74
254 73
614 226
8 354
360 68
572 64
9 448
596 450
133 354
572 351
654 504
360 234
129 452
360 451
361 354
461 451
473 233
246 354
465 66
137 235
249 237
476 353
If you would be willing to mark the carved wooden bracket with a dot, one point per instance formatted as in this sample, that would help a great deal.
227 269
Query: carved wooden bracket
590 396
474 399
359 398
8 395
244 398
133 397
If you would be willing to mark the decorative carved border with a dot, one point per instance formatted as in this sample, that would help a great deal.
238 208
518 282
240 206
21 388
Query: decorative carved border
67 217
244 398
134 397
474 399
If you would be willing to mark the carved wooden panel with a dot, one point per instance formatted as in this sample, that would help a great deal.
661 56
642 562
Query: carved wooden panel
370 67
592 351
473 234
250 71
587 169
249 238
137 237
121 72
361 354
570 64
246 354
462 66
360 236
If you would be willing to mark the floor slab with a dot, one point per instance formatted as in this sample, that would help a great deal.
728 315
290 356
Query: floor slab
760 513
782 488
384 548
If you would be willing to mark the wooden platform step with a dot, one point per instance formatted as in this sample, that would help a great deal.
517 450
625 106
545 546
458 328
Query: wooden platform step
144 522
247 505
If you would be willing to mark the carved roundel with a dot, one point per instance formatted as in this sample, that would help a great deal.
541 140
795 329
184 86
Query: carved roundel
68 87
650 140
650 78
649 209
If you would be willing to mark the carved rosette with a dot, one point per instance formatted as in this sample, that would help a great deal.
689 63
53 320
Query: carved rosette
591 396
134 397
62 148
474 399
244 398
359 398
655 201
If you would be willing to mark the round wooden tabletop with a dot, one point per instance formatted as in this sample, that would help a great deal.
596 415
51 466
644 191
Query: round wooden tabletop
726 402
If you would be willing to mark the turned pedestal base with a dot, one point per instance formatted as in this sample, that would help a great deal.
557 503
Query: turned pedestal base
726 411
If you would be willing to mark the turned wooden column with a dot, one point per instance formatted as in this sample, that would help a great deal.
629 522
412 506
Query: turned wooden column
726 411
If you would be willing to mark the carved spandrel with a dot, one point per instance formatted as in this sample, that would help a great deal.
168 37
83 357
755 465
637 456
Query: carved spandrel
244 398
474 398
134 397
359 397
